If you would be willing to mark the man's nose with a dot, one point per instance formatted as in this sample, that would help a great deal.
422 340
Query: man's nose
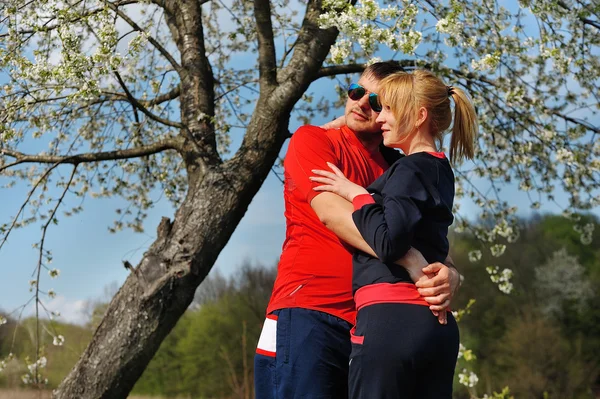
363 103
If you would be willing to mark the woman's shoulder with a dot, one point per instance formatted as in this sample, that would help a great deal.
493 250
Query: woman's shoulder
422 166
417 160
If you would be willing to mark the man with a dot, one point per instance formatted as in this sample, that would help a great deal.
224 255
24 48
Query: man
304 348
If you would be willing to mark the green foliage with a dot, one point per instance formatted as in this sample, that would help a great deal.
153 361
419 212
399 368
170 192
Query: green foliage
19 339
536 360
517 344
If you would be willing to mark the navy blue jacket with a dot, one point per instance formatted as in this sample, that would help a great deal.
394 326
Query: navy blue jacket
413 208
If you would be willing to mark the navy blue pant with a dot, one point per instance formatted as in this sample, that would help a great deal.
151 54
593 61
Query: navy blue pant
405 353
310 360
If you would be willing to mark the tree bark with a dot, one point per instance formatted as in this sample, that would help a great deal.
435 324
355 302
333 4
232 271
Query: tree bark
162 286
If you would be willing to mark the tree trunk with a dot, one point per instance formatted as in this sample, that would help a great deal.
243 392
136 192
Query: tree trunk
162 286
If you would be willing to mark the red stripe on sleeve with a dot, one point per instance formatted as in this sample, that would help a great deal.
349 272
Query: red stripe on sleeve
360 200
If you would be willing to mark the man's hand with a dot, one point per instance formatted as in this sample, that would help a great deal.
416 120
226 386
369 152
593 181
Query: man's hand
439 289
335 124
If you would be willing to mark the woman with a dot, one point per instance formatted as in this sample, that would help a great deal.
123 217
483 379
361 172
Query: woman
399 350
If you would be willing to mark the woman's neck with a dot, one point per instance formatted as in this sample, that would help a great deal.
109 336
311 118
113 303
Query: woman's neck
421 142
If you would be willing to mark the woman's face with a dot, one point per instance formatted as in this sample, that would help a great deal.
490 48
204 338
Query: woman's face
390 128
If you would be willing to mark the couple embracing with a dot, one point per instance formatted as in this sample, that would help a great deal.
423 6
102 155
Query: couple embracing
359 306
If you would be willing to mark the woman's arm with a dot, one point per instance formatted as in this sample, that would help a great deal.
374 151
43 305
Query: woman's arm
386 228
336 214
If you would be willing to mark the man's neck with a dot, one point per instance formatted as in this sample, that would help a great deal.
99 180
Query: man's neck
370 141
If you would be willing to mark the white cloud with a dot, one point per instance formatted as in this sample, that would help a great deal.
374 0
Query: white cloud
71 311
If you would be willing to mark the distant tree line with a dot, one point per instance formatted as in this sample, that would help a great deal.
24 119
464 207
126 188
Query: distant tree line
542 340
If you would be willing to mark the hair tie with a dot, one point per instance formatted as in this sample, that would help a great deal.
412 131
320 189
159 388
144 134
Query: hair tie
450 90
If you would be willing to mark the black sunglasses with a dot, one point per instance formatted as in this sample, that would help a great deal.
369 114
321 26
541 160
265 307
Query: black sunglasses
356 92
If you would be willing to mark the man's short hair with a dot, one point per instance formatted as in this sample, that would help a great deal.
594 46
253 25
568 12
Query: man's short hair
380 70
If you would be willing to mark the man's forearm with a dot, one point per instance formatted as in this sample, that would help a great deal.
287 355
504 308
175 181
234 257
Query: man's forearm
456 278
449 262
414 262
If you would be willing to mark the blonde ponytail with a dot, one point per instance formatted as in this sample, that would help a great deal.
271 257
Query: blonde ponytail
464 129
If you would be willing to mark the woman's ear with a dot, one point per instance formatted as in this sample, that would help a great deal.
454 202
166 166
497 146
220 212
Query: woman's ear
422 117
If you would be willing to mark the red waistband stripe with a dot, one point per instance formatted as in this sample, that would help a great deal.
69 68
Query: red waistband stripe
388 293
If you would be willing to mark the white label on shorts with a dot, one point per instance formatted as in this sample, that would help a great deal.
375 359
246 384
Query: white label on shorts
267 343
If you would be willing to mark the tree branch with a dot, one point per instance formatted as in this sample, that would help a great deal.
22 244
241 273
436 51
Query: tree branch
48 28
197 96
138 105
29 195
585 21
130 97
266 45
21 158
310 50
39 270
405 65
340 70
152 40
311 47
161 98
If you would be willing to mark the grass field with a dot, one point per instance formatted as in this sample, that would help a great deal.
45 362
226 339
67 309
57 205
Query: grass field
30 394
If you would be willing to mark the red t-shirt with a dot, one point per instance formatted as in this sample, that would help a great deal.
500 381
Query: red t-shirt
315 268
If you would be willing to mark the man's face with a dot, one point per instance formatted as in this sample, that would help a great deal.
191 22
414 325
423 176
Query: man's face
359 115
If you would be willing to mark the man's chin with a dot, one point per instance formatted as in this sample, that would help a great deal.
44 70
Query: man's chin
361 126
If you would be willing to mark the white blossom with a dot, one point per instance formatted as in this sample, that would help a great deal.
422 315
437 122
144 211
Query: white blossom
464 353
497 250
474 255
58 340
501 278
468 378
487 63
450 27
563 155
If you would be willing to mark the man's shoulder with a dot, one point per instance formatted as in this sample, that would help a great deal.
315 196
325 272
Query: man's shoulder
312 130
315 134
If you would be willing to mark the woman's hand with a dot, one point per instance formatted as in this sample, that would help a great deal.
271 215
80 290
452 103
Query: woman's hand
336 183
